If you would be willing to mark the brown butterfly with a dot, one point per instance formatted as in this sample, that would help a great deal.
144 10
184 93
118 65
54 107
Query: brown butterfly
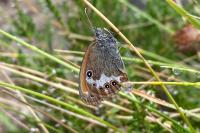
102 69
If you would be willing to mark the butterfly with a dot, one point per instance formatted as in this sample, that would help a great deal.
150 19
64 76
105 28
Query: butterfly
102 70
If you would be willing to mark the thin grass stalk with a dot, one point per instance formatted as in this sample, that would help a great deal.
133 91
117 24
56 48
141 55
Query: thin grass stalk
196 84
42 112
35 49
39 74
134 99
16 121
41 80
147 16
162 102
28 107
195 22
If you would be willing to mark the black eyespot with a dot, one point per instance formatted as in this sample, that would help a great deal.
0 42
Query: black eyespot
89 73
107 86
114 83
94 84
101 88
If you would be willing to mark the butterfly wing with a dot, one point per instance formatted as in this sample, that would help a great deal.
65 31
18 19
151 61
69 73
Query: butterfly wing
102 69
110 72
107 71
84 90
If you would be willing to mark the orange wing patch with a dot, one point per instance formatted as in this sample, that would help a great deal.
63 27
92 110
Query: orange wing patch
83 84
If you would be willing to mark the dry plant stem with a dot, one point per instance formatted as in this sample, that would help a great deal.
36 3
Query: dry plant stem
68 61
159 122
67 89
28 107
77 101
14 119
163 103
167 83
39 74
80 37
117 106
145 62
162 73
122 117
66 111
193 111
42 112
152 99
151 79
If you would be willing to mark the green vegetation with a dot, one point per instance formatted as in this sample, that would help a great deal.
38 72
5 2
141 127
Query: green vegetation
41 48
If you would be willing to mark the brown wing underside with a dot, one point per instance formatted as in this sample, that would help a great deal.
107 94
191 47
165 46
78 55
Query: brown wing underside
108 63
100 62
84 90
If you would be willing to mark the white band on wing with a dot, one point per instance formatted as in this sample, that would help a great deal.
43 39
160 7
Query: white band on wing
103 79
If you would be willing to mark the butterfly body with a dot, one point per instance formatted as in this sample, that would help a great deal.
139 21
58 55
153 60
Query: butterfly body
102 69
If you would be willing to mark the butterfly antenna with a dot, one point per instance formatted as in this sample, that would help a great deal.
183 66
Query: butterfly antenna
90 23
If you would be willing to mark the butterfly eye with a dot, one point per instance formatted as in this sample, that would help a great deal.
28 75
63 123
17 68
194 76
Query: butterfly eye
114 83
107 86
89 73
97 34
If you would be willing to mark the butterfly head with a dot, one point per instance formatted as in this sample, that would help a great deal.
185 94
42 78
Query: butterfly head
104 37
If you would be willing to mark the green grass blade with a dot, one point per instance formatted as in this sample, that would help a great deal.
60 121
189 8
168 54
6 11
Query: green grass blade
35 49
195 22
147 16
